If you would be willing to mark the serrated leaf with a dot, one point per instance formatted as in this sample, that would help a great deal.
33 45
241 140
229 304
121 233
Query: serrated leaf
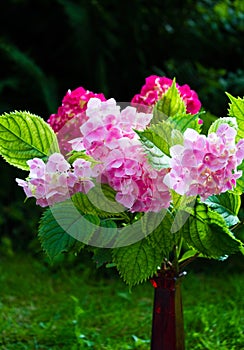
184 121
207 232
65 218
165 136
169 105
162 136
236 109
103 197
227 205
176 137
150 139
130 234
90 229
231 121
99 201
137 262
182 208
54 240
24 136
161 236
105 235
155 156
157 159
151 220
182 202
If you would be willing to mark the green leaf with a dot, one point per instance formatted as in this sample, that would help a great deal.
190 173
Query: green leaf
90 229
182 208
157 140
129 234
54 239
182 202
155 156
166 135
102 256
207 232
157 159
231 121
137 262
73 155
160 137
99 201
236 109
239 189
227 205
169 105
105 235
184 121
24 136
189 254
62 224
161 237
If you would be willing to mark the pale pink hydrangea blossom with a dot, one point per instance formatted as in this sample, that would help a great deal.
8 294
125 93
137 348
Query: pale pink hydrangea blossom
156 86
108 137
205 165
56 181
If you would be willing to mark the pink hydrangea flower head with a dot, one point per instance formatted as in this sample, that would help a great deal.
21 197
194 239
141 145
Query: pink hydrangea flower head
139 188
205 165
108 136
240 151
107 127
156 86
57 163
37 167
56 180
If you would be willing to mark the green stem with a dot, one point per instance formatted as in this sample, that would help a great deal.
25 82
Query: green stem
188 261
175 261
177 252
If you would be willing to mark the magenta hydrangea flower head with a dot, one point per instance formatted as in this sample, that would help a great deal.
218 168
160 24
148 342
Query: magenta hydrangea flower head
74 103
156 86
70 115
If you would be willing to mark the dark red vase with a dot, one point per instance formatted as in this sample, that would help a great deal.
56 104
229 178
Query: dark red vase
167 324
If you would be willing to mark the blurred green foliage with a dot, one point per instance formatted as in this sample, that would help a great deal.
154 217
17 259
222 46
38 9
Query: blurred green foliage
110 47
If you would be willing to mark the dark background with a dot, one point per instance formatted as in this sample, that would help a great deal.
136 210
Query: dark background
48 47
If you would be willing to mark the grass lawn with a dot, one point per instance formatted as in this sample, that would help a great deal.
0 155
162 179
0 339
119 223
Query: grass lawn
73 308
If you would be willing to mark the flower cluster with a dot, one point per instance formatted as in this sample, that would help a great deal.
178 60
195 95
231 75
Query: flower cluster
74 104
156 87
202 165
108 137
205 165
55 181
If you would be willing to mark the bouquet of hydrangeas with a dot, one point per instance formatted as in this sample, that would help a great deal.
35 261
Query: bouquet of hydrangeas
145 179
